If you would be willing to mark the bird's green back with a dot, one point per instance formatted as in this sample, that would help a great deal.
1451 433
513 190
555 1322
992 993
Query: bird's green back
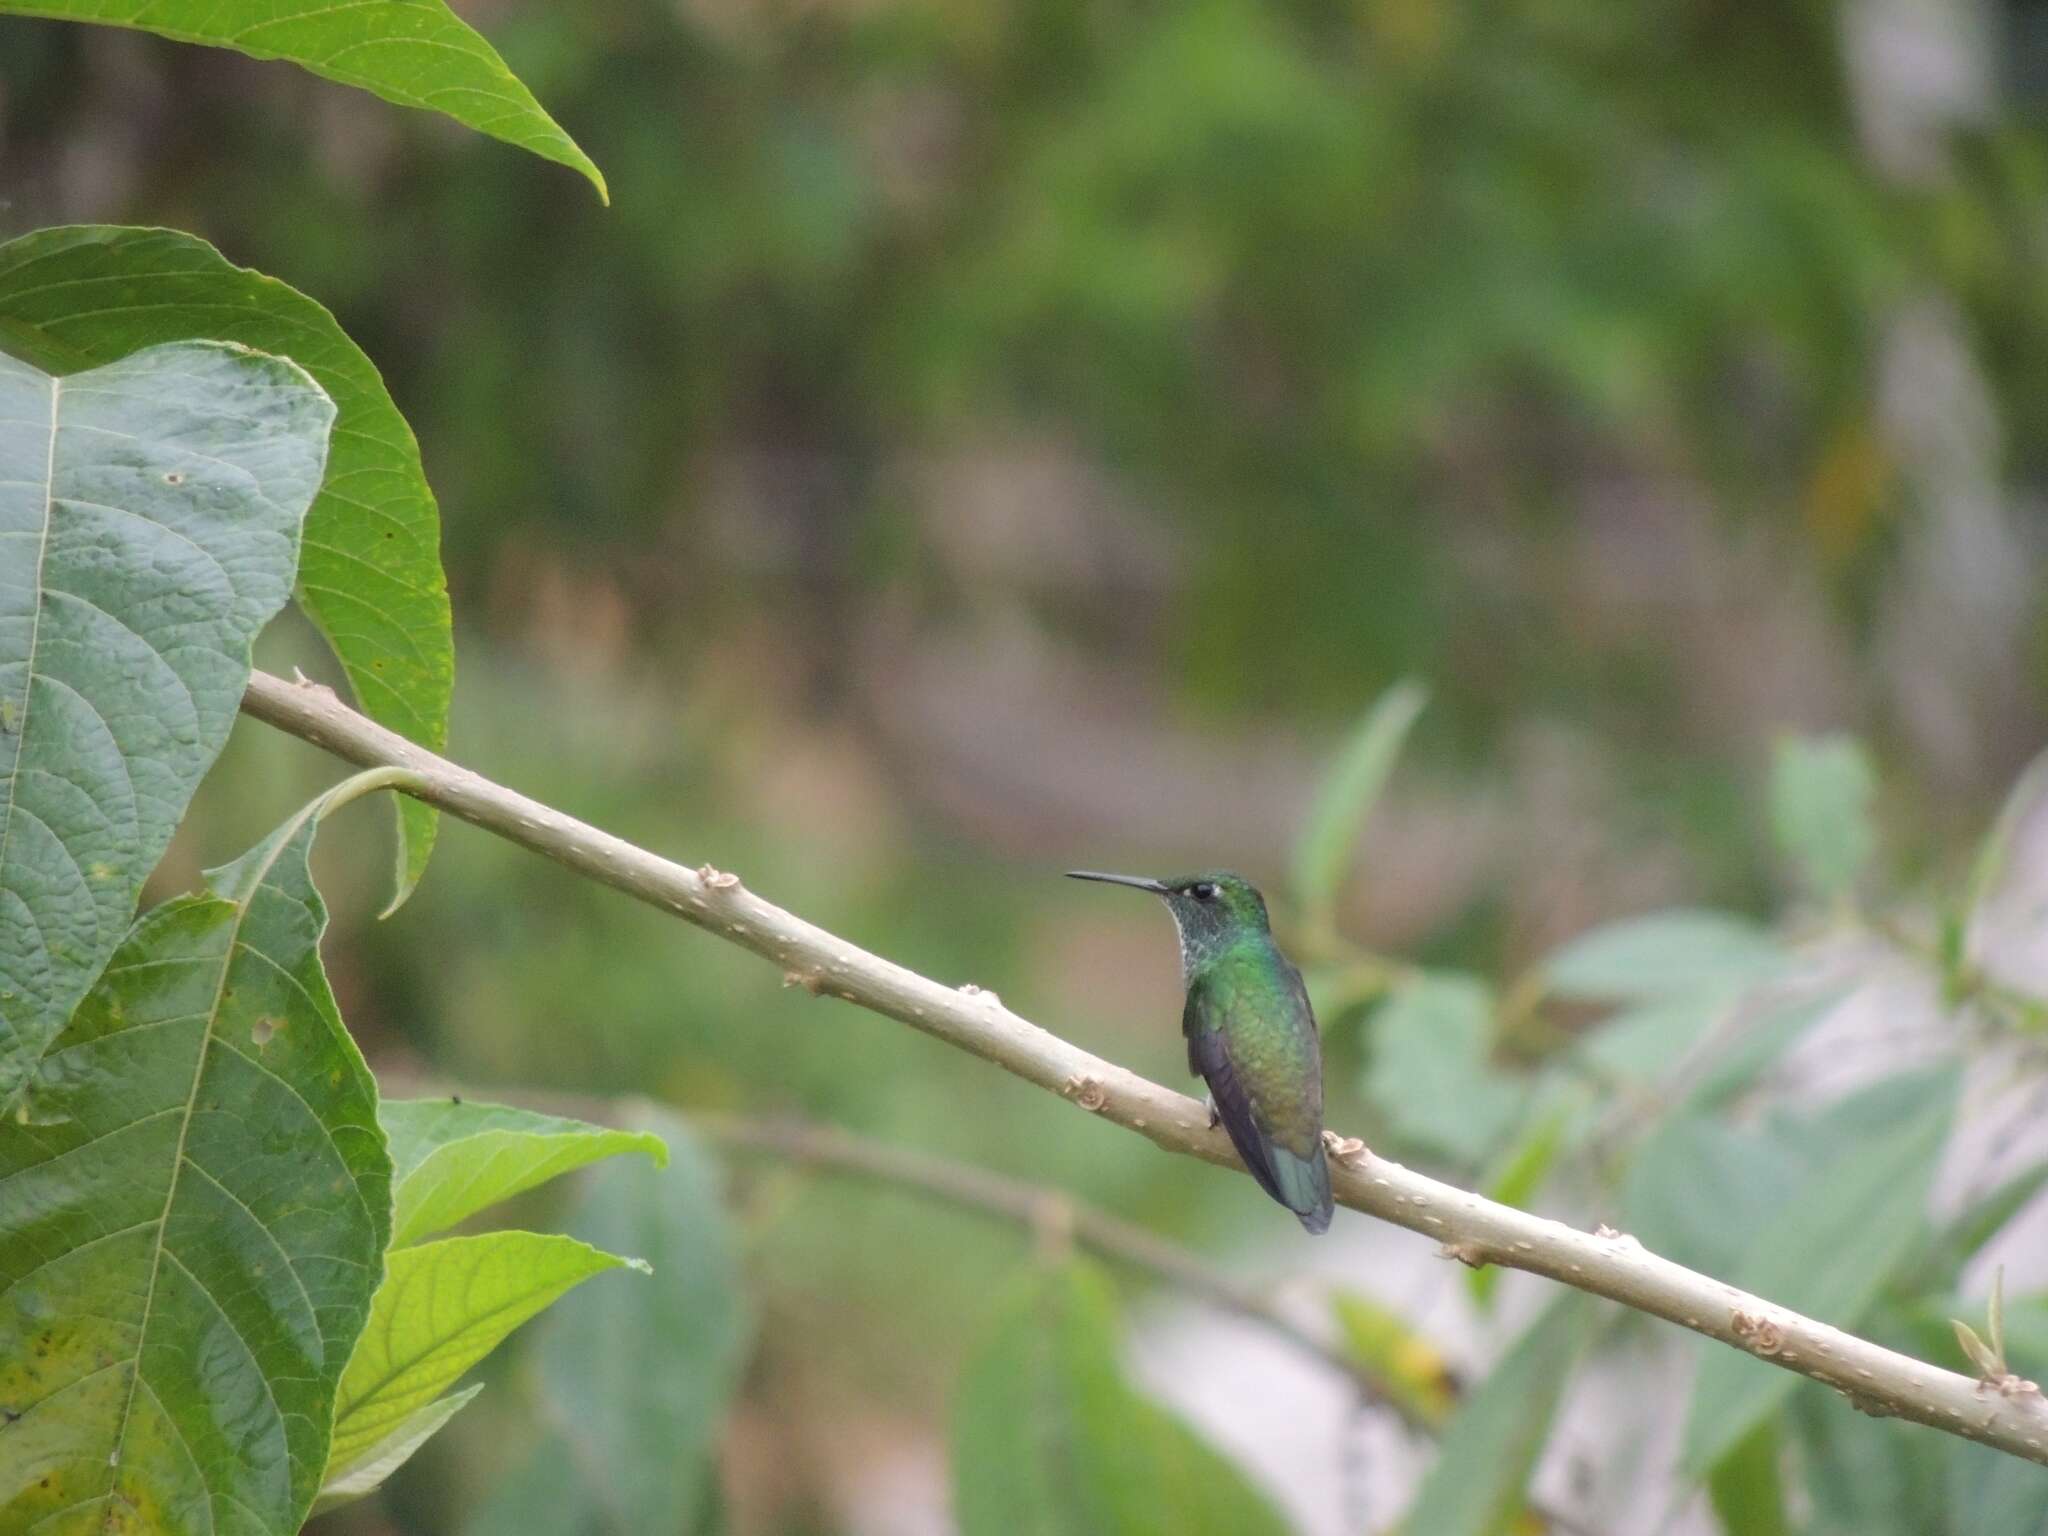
1253 994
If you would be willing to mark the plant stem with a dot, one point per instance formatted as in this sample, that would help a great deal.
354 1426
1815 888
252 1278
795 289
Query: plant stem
1035 1206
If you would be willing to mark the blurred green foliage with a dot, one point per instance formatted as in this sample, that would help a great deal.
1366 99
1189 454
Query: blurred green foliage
1325 279
1411 337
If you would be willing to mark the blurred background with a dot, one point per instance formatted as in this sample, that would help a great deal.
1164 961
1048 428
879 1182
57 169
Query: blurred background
985 440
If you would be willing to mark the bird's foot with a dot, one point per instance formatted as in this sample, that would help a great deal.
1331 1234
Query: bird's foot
1215 1114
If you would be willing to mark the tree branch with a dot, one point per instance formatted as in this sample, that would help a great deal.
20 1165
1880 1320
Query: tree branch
2009 1415
1039 1207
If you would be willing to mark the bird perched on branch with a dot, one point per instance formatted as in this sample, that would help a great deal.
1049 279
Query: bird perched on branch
1251 1034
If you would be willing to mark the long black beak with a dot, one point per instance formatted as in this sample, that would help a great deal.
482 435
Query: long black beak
1156 887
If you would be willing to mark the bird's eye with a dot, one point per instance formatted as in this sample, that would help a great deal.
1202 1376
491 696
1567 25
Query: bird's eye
1203 891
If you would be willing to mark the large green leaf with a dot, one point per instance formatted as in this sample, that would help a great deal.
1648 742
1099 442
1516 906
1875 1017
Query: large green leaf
1428 1073
194 1201
1347 797
369 571
1698 1189
1666 954
1766 1033
1947 1251
1049 1439
451 1159
413 53
638 1384
1828 1254
149 526
1865 1475
1821 789
1481 1475
443 1307
1991 1493
1643 1043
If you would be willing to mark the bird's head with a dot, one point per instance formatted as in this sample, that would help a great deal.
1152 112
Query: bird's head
1210 909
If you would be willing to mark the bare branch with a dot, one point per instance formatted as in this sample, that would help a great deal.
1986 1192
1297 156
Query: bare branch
1033 1205
1469 1227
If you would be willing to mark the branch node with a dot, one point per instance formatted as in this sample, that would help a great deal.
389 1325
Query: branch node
718 879
1351 1152
1758 1334
1470 1254
2009 1385
810 981
1086 1092
320 688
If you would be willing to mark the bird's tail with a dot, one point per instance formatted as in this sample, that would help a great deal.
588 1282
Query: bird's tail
1303 1184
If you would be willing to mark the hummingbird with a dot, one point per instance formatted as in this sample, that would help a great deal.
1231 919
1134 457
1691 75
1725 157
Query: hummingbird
1251 1034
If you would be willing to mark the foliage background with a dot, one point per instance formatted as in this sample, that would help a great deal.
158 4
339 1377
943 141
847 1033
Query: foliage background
983 441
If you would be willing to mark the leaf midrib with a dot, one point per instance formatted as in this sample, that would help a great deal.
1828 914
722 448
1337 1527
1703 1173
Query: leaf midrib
398 1370
178 1161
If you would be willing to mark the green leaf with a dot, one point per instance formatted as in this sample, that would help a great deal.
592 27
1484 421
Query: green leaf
1049 1439
1429 1075
1347 797
1993 1494
541 1493
149 524
1766 1034
639 1384
1698 1190
451 1159
1931 1327
1479 1480
368 1471
1988 869
1666 955
1747 1487
1865 1475
1952 1248
1520 1171
1404 1363
1643 1043
1821 793
1828 1254
1983 1357
369 572
194 1201
442 1307
413 53
1995 1315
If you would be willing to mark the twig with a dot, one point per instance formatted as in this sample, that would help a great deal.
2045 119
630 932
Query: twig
1470 1228
1027 1204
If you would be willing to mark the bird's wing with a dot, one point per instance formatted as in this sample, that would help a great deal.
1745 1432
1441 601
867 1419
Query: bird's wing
1209 1058
1302 1184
